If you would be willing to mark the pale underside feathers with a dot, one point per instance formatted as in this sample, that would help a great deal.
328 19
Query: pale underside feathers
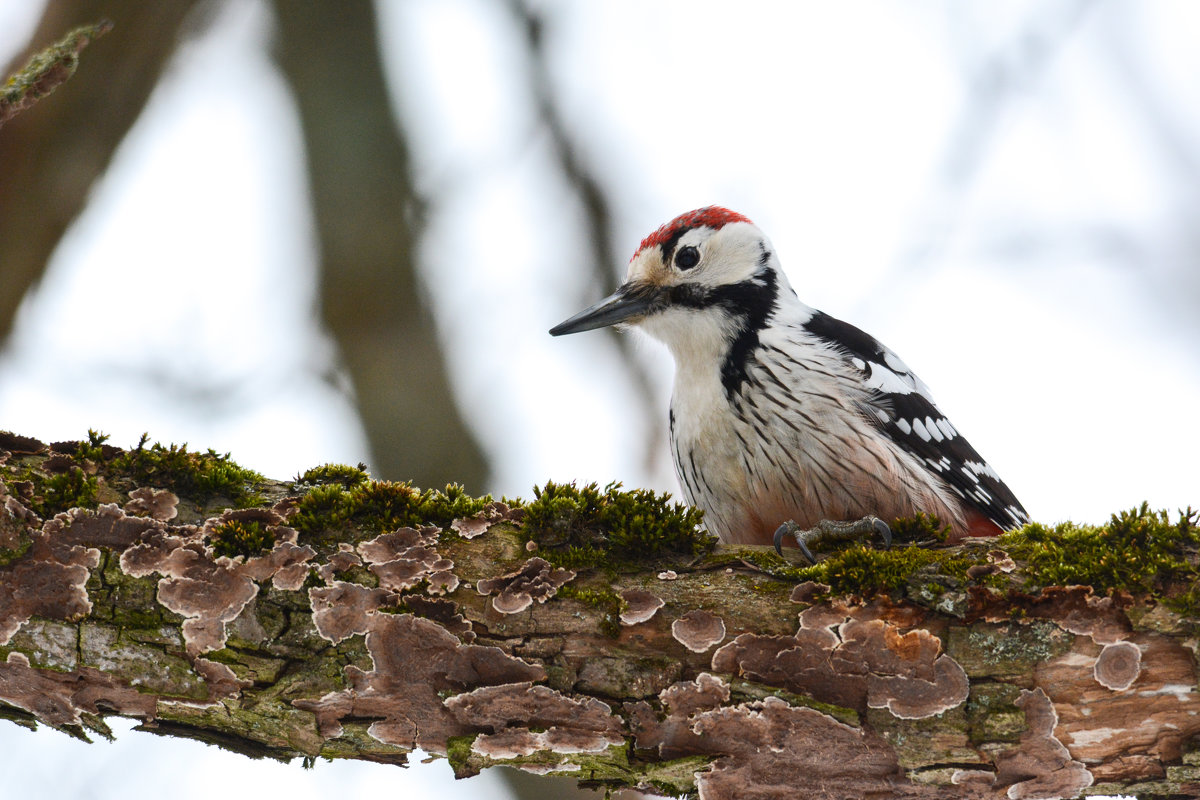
781 412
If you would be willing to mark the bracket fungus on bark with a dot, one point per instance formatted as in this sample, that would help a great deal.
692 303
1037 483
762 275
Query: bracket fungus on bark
522 719
698 630
405 557
639 606
536 580
50 581
209 591
59 699
763 749
159 504
415 661
1118 666
1041 767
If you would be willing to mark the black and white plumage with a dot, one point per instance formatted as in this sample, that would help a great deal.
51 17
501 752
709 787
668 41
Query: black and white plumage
781 412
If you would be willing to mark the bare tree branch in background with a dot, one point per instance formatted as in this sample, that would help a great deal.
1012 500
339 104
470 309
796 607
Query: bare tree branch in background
369 218
52 155
47 70
598 213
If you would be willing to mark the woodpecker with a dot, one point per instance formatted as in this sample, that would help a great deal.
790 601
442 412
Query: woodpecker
782 413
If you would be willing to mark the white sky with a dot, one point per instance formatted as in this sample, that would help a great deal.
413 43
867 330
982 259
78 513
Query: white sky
1050 302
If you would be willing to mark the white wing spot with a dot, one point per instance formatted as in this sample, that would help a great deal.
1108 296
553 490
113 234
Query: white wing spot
919 427
946 428
978 468
885 380
903 425
933 429
893 361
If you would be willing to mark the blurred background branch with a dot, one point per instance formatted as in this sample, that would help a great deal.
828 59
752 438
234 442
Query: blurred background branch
51 159
369 219
46 70
601 255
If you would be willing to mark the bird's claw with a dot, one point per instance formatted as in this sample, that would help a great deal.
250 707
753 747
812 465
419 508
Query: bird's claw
827 530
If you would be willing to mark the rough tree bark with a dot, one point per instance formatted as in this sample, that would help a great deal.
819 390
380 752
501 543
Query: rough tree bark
327 619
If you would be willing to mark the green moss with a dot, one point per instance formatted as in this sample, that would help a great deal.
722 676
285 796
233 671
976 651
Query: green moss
93 449
589 526
241 538
922 527
341 474
865 570
76 485
195 475
64 490
1140 551
605 600
325 512
458 753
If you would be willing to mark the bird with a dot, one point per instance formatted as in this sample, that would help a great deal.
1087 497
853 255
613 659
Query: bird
784 419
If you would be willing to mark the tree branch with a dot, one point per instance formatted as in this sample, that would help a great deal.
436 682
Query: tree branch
47 70
588 632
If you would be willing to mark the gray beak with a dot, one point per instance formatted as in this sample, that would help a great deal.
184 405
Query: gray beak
621 306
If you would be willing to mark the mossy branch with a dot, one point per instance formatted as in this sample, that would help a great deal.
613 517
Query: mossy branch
590 632
47 70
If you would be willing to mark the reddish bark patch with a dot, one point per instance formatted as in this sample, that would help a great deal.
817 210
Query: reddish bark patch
1158 716
1073 608
867 662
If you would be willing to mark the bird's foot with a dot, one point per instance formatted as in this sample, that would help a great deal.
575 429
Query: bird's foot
831 531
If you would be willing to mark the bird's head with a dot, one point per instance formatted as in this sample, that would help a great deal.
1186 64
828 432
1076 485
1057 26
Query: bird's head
709 270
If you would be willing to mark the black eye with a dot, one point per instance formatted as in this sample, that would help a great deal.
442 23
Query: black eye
687 257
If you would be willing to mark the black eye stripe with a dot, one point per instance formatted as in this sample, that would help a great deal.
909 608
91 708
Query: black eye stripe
687 257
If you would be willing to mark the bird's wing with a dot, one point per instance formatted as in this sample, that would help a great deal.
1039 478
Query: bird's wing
901 405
